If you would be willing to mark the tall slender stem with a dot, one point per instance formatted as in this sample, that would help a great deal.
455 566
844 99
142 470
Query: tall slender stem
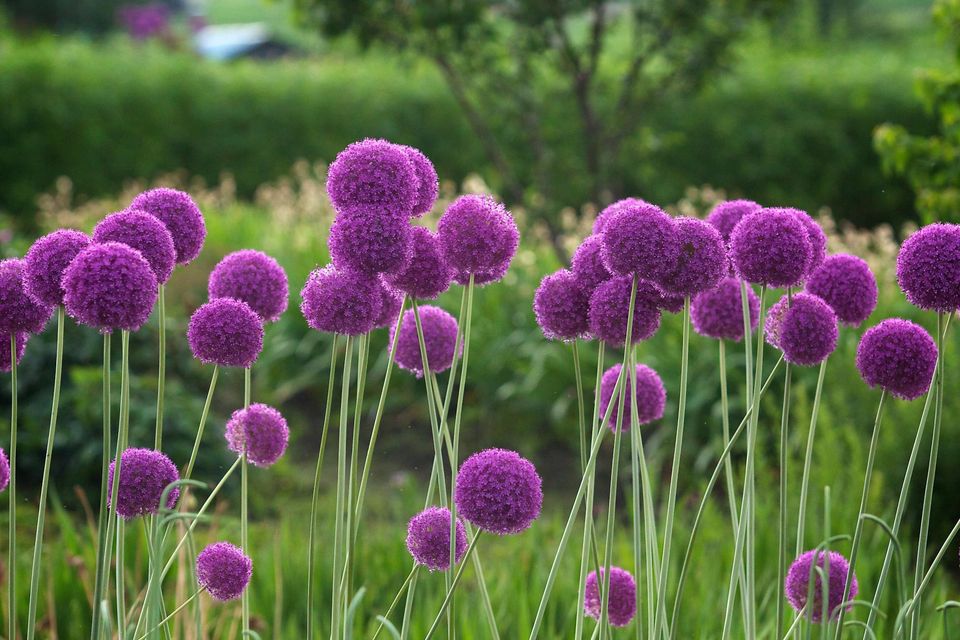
102 575
362 355
161 363
386 616
122 435
12 495
170 615
808 457
342 504
915 600
188 472
453 585
581 418
636 520
782 528
244 507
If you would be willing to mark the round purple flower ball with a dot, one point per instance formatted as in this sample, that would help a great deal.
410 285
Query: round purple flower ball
670 303
370 242
225 332
255 278
725 216
372 175
344 302
145 233
498 491
818 239
144 475
182 217
224 571
427 273
702 260
110 286
481 278
804 329
622 602
898 356
428 186
771 247
4 470
848 285
260 431
19 311
428 538
562 307
718 313
612 208
640 239
610 305
651 396
6 363
439 334
391 300
796 586
478 236
587 264
46 261
928 267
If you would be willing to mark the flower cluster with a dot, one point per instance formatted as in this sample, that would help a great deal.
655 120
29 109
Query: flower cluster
803 327
144 475
260 432
253 277
439 338
224 571
797 585
651 395
498 491
622 601
428 538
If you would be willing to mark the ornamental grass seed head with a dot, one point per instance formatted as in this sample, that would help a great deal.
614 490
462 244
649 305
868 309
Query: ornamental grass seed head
225 332
260 431
439 336
701 261
144 475
561 307
587 264
651 396
928 268
343 302
804 328
255 278
427 273
797 584
718 313
19 311
370 242
478 236
373 175
771 247
725 216
141 231
498 491
622 601
47 259
6 364
428 538
898 356
182 217
640 239
224 571
610 305
428 186
848 285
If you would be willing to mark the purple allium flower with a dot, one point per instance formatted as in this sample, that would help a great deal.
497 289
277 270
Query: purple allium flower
670 303
818 239
797 584
370 242
336 301
428 186
374 174
481 278
718 313
898 356
702 260
562 307
225 332
255 278
928 267
612 208
4 470
804 329
498 491
771 247
110 286
182 216
144 474
427 274
622 602
6 364
651 396
19 311
262 430
391 300
143 232
846 283
610 305
46 261
726 215
640 239
439 334
478 235
428 538
587 264
224 571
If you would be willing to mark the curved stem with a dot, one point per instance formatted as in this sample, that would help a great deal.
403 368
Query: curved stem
808 457
102 575
410 577
12 495
929 574
244 507
161 364
453 585
187 474
170 616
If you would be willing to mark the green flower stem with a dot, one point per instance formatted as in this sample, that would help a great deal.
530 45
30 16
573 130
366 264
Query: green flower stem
161 363
342 503
188 473
453 585
122 436
782 528
750 548
244 507
363 349
581 418
912 603
173 613
45 482
102 575
636 522
315 500
825 584
808 458
12 495
386 616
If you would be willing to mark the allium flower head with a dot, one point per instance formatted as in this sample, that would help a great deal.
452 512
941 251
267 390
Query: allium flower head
726 215
771 247
225 332
562 307
481 278
622 602
701 262
224 571
110 286
928 267
498 491
373 174
428 186
427 274
587 264
651 396
640 239
818 239
439 335
19 311
180 214
255 278
391 300
344 302
260 431
848 285
898 356
804 329
612 208
669 302
144 474
478 235
718 313
370 242
797 584
143 232
46 261
6 364
428 538
610 305
4 470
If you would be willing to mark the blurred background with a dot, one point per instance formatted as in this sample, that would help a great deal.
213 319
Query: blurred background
846 108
